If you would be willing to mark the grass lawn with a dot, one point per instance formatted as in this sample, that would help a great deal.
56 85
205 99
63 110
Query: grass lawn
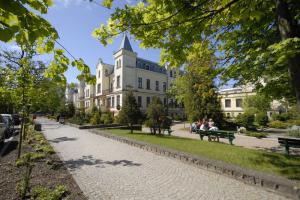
273 163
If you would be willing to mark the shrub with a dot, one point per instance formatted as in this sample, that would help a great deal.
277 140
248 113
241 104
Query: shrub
262 119
245 120
77 119
43 193
278 124
106 118
95 119
294 122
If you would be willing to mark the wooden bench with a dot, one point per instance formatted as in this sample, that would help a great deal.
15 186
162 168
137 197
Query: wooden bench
216 135
289 142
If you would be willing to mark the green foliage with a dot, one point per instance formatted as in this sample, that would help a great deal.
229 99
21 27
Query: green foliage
70 110
249 37
43 193
294 122
256 103
245 119
278 124
45 148
78 119
195 89
157 116
106 118
262 119
130 113
95 119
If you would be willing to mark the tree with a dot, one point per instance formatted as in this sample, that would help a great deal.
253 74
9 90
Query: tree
256 104
130 112
195 88
20 22
257 41
157 115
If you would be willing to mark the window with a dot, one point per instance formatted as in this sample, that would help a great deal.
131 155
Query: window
239 103
118 100
113 102
87 93
140 82
139 101
227 103
118 81
148 84
171 103
147 67
111 87
171 73
228 115
156 85
118 63
164 86
165 101
148 101
99 88
108 102
99 74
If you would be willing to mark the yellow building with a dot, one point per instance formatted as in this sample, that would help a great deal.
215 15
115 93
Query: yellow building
232 100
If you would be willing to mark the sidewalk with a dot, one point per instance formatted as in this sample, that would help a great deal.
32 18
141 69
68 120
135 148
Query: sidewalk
107 169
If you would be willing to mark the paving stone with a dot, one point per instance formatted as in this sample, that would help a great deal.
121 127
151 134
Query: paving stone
108 169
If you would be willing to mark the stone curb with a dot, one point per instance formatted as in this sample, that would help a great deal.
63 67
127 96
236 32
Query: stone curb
272 183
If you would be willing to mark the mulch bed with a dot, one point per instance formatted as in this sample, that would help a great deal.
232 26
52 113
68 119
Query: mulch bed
43 174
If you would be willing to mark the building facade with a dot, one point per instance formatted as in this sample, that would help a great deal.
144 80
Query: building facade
129 72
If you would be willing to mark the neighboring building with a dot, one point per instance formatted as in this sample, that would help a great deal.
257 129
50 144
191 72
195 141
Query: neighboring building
129 72
232 100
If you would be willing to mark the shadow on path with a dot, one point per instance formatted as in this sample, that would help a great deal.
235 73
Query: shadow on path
8 147
62 139
90 161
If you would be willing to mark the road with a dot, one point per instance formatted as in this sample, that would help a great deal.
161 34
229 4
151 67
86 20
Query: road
106 169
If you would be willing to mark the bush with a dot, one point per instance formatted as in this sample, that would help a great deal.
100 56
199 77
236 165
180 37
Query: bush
177 117
245 120
42 193
95 119
283 117
262 119
106 118
77 119
294 122
278 124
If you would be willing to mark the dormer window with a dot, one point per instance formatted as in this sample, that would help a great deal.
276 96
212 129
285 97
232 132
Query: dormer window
147 67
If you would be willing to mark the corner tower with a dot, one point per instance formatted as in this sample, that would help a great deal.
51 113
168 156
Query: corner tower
125 64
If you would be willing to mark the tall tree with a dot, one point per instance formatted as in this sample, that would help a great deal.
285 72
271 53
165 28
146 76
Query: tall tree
258 41
130 112
195 88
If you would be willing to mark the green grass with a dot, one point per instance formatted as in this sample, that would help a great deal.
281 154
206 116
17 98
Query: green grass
256 134
273 163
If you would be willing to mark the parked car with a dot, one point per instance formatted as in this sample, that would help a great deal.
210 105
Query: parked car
2 131
16 119
9 125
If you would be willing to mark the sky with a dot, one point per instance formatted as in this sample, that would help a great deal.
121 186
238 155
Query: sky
75 21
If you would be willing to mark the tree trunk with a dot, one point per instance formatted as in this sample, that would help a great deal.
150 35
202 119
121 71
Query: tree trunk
288 28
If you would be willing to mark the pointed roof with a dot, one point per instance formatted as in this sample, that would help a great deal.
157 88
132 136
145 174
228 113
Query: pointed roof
125 44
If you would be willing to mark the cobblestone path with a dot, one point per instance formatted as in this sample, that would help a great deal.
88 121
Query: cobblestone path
107 169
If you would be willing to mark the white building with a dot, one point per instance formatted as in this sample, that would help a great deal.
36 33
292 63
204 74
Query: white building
129 72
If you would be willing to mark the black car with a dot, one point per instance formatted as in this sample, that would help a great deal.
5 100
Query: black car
16 119
9 125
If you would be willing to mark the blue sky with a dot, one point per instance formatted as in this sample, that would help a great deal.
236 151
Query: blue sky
75 21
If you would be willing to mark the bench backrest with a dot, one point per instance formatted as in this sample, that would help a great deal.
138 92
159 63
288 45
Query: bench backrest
289 141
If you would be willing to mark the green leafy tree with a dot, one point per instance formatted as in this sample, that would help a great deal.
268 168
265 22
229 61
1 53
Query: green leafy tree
130 112
195 88
256 40
256 103
157 115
